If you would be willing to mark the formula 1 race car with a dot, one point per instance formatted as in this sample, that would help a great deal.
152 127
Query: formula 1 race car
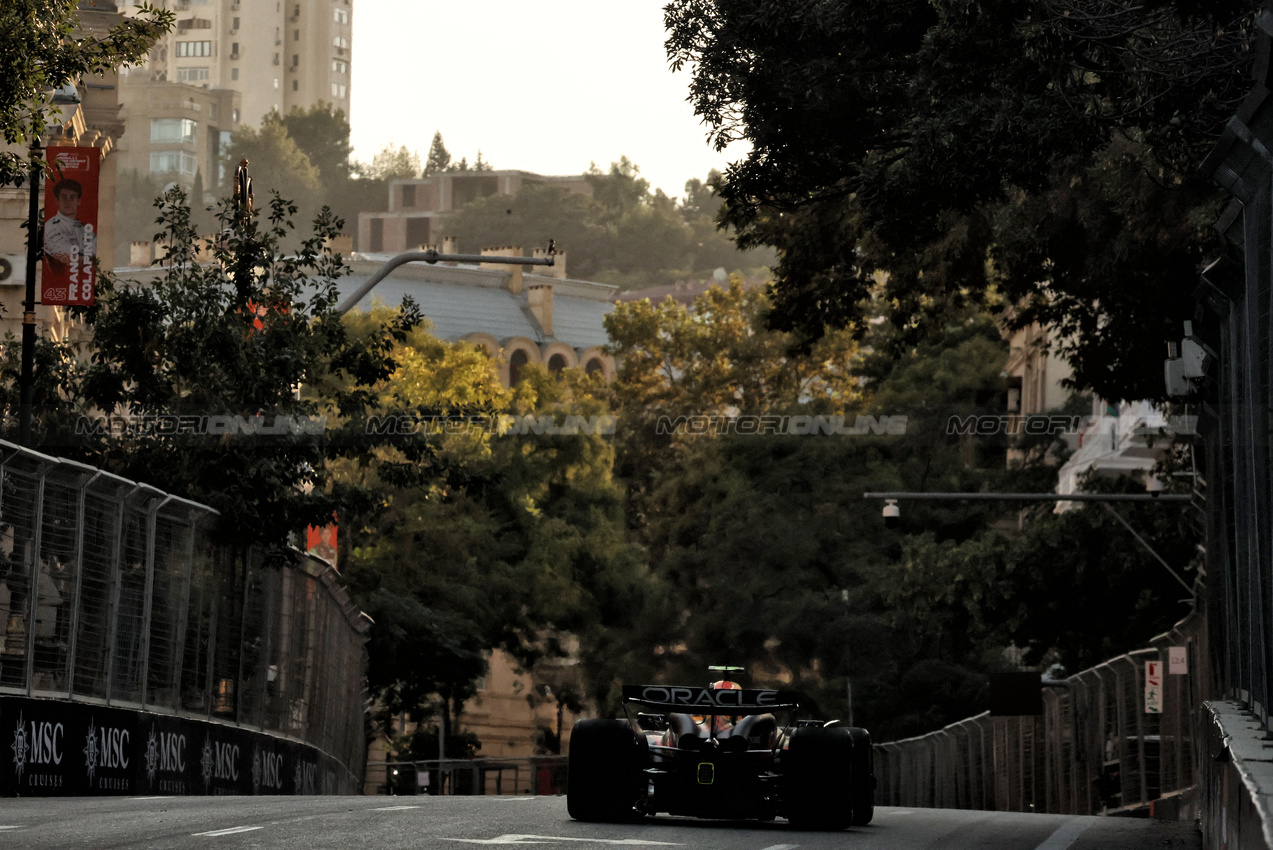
720 752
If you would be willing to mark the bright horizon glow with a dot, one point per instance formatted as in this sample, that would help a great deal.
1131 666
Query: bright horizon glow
548 87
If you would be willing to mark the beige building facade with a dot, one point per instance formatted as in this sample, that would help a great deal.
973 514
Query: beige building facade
417 208
278 54
94 122
176 132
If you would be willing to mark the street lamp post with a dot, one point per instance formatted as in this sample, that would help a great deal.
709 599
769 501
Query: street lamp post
66 95
431 257
27 379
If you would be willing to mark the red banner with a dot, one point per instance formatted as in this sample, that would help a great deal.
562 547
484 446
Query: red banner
70 227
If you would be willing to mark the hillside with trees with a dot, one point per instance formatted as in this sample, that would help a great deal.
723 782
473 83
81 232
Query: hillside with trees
624 234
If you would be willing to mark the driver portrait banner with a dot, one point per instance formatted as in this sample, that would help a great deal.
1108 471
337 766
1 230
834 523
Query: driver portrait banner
69 270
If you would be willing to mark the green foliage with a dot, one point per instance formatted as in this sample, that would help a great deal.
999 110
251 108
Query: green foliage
963 149
762 550
392 163
1074 587
624 234
322 134
276 163
44 49
439 158
232 330
501 541
763 553
530 218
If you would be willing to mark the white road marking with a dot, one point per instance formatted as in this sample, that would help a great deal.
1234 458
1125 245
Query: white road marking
394 808
547 839
10 827
231 831
1065 835
783 847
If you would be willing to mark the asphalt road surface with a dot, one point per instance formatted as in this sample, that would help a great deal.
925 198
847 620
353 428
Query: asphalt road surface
381 823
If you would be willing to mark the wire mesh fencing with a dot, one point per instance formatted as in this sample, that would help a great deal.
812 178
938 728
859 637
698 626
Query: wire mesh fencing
1112 738
115 593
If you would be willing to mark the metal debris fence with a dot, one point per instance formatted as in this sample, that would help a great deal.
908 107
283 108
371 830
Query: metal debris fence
115 593
1093 750
534 775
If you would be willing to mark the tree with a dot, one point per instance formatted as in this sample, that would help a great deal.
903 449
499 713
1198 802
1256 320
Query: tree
625 234
439 159
322 134
43 49
222 340
502 541
902 139
530 218
1044 589
762 553
392 163
277 164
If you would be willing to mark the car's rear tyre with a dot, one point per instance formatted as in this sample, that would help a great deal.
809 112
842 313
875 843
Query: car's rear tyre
817 778
604 771
862 781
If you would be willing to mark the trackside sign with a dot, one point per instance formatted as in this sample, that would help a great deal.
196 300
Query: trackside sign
709 700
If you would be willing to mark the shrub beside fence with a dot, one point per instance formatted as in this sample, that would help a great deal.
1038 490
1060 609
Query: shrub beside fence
114 593
1093 750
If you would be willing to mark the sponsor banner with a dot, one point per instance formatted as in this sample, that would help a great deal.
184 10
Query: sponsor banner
709 700
69 273
59 748
171 757
1153 687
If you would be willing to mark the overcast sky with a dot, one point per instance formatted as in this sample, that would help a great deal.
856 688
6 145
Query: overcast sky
547 86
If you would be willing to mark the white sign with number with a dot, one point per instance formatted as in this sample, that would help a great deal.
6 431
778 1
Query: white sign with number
1153 687
1177 660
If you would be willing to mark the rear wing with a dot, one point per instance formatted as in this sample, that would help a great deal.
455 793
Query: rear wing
709 700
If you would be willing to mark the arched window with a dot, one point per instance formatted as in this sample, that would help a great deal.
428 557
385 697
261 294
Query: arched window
594 366
556 363
518 359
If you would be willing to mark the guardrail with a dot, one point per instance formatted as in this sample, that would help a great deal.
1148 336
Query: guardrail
114 593
1093 750
533 775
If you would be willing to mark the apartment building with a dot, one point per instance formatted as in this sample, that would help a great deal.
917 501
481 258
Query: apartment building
278 54
176 132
